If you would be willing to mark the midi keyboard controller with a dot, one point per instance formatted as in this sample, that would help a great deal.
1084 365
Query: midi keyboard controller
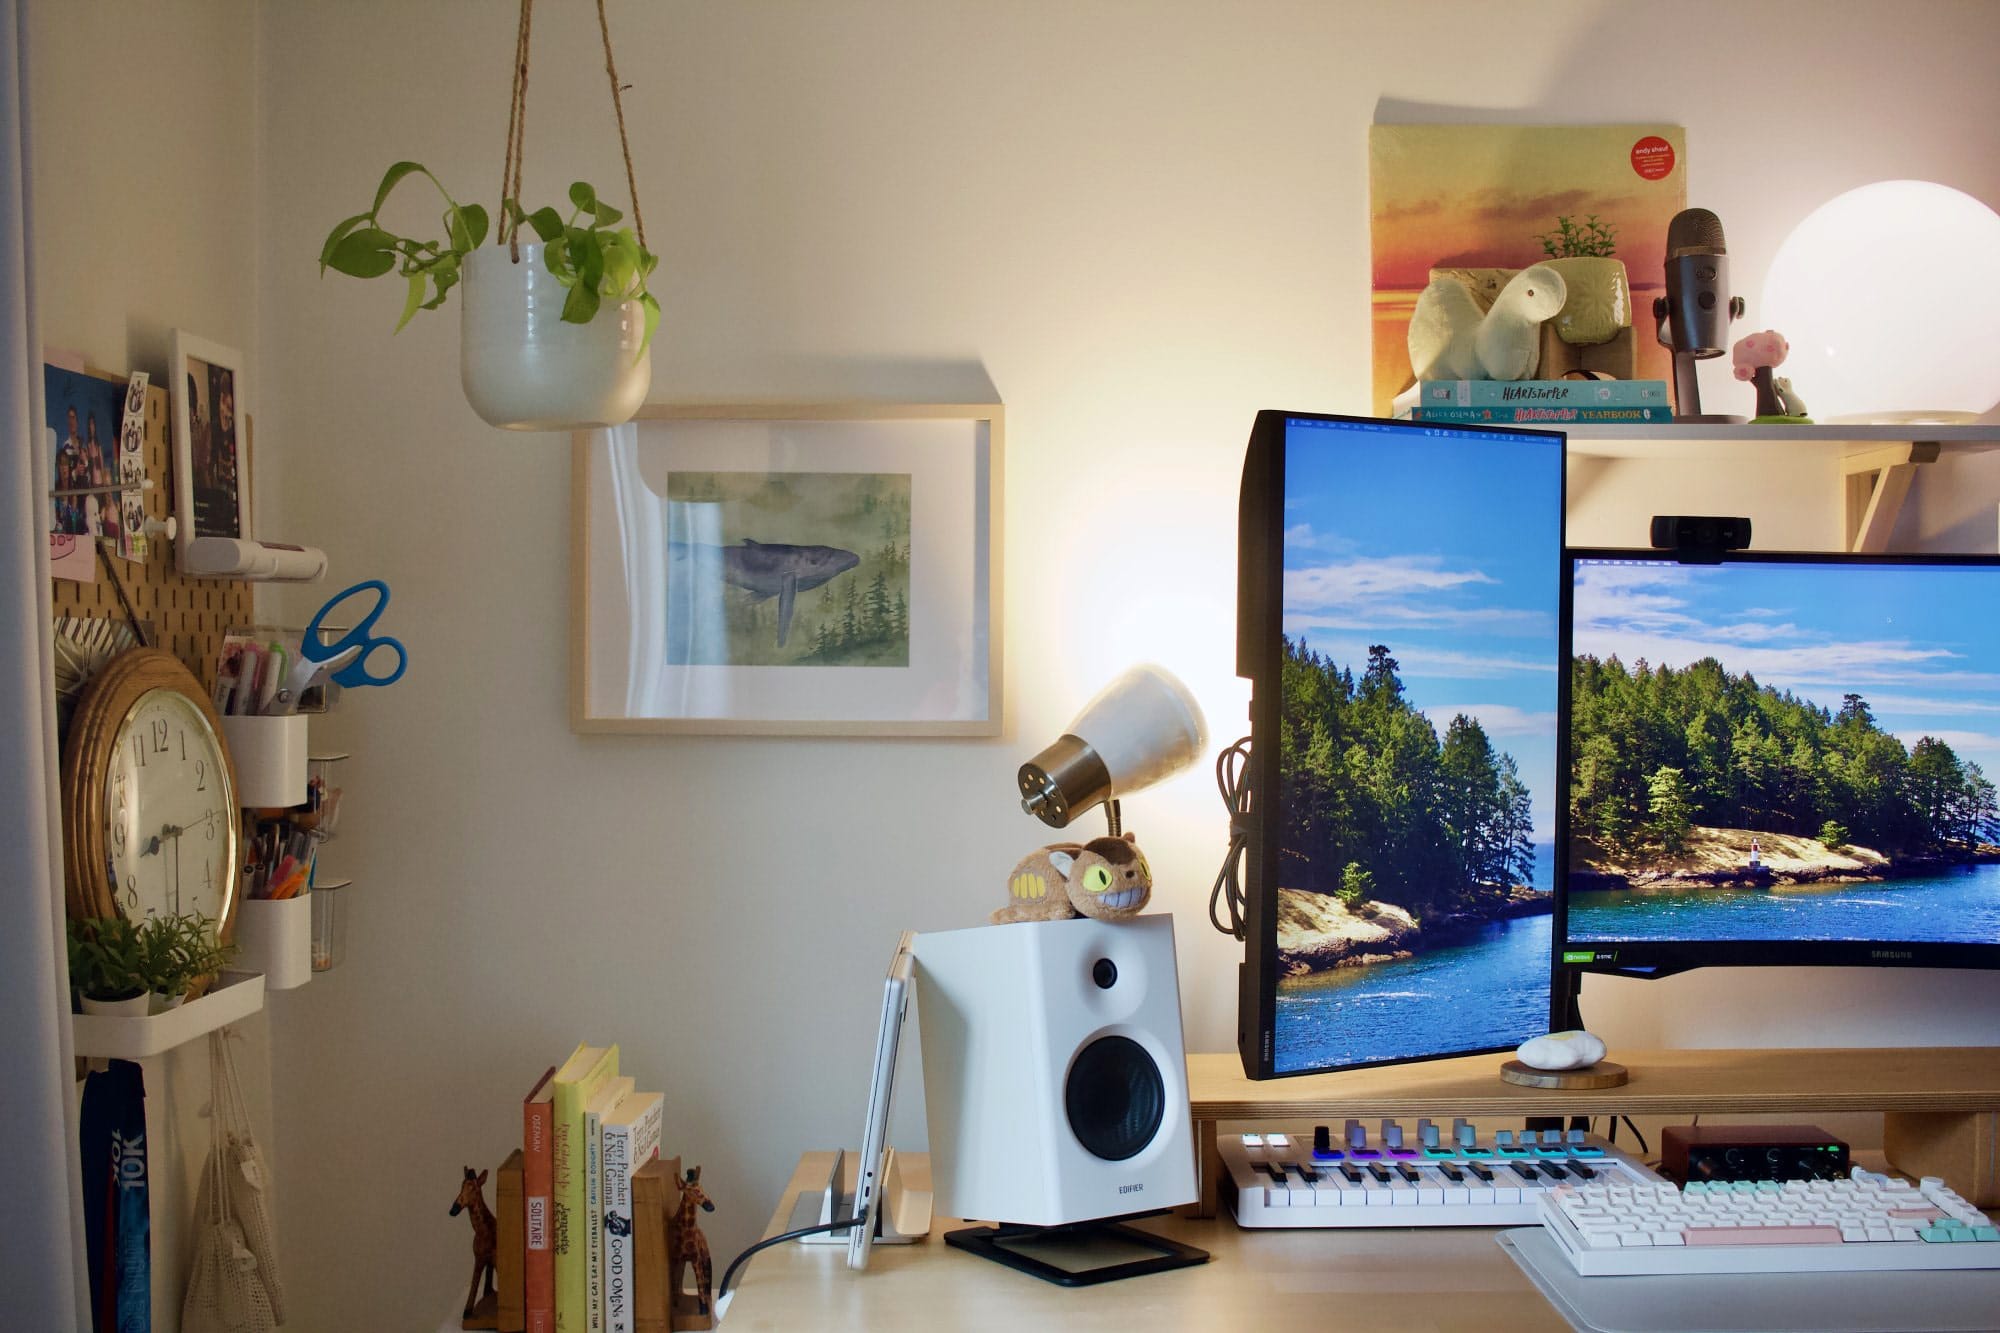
1433 1178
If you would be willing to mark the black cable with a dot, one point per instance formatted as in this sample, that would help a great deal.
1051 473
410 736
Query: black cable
737 1262
1228 890
1645 1149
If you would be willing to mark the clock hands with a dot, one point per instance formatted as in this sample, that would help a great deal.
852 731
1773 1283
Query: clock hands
173 831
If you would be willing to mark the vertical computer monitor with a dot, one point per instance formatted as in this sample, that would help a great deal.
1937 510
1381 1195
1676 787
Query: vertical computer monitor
1398 591
1780 759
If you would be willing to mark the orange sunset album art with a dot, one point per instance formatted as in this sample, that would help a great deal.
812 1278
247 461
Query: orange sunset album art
1486 196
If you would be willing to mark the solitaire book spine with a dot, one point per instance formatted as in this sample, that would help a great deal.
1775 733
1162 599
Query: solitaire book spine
538 1166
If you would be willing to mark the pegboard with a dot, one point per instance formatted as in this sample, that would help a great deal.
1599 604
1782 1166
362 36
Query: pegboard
189 616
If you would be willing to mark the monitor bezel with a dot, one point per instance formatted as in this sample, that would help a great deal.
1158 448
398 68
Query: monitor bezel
1654 959
1259 623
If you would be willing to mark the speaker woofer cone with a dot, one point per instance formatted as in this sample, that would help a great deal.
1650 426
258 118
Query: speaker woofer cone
1115 1098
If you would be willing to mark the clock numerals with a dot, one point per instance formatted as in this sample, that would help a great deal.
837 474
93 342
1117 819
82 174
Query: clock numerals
200 767
138 750
131 890
159 733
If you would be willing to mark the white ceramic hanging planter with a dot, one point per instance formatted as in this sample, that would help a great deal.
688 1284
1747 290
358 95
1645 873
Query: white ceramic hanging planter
525 369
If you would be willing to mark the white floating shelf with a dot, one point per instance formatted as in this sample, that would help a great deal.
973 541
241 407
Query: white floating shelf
98 1037
1659 439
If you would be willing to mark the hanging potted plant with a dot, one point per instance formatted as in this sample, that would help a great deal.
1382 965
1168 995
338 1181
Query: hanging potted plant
555 330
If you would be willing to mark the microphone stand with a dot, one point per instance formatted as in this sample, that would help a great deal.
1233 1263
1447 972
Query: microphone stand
1687 387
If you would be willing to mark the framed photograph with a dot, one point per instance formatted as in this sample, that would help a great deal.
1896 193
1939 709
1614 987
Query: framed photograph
211 469
811 570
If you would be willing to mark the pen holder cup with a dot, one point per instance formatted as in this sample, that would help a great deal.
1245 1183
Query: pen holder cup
275 937
270 757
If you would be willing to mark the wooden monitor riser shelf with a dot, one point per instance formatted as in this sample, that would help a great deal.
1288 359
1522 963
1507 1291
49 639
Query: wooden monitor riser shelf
1940 1105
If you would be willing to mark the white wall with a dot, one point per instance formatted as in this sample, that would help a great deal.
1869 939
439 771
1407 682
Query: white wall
1143 223
146 219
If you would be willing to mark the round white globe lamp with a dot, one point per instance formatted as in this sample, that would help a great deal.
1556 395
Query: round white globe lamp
1890 298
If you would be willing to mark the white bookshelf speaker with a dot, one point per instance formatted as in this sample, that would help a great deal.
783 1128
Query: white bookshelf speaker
1054 1075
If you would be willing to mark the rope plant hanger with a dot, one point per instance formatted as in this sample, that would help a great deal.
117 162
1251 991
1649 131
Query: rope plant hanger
557 342
517 123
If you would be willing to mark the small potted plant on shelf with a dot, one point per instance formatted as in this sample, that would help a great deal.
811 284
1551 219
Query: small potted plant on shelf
180 951
127 968
1599 296
555 330
107 966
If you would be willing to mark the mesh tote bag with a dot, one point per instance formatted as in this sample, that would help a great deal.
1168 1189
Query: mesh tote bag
231 1289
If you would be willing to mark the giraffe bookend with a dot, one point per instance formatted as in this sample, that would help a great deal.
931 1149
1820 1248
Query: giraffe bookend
688 1248
480 1311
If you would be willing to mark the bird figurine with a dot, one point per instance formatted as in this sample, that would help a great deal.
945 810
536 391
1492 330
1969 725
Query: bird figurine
1451 339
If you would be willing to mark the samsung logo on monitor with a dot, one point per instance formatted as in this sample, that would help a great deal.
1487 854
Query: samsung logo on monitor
1900 955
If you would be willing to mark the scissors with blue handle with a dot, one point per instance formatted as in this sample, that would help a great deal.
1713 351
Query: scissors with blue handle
355 673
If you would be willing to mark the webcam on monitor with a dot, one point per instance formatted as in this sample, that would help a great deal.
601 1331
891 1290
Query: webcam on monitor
1700 538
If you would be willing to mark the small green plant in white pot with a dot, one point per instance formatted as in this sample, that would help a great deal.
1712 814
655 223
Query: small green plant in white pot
130 968
555 331
107 966
180 951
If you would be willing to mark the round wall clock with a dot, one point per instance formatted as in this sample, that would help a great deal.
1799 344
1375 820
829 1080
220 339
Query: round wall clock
149 797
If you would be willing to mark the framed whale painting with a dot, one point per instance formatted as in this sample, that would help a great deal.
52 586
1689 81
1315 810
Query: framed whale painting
796 570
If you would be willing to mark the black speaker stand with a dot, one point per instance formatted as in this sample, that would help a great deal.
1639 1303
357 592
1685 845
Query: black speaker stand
1070 1250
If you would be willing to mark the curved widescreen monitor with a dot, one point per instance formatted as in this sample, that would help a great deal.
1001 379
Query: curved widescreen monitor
1398 590
1780 759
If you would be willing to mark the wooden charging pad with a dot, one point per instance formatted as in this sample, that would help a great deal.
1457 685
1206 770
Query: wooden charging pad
1603 1074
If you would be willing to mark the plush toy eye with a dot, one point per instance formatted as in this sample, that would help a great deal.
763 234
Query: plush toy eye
1097 879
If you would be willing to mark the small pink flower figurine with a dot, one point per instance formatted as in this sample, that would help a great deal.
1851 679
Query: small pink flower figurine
1755 356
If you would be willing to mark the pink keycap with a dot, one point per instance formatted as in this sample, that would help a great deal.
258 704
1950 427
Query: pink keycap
1762 1235
1925 1213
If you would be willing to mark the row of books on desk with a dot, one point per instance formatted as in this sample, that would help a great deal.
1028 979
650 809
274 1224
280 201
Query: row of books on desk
593 1197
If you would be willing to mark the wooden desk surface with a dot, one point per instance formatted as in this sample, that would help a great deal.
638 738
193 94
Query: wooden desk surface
1392 1280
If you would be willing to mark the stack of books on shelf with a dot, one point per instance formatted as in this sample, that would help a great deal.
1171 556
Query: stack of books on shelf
587 1134
1536 402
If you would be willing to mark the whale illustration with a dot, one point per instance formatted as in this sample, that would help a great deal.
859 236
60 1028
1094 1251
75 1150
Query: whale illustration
772 569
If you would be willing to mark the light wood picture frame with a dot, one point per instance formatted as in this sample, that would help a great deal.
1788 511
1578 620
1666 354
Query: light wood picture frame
797 569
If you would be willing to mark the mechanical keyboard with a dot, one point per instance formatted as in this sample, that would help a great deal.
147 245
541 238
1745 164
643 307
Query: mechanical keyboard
1436 1179
1866 1221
